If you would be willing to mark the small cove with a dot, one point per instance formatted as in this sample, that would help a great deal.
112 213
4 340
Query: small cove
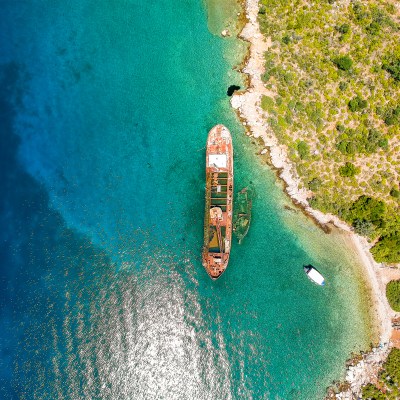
111 137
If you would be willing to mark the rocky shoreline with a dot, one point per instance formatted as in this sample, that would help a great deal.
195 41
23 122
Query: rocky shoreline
247 105
363 371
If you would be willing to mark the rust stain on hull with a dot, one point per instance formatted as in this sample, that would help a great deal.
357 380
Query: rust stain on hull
219 201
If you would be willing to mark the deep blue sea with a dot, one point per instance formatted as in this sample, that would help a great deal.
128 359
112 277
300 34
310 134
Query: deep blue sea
105 108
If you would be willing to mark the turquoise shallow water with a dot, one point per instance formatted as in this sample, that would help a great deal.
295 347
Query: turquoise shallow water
106 110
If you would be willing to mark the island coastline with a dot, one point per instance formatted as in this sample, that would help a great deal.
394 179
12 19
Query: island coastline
248 108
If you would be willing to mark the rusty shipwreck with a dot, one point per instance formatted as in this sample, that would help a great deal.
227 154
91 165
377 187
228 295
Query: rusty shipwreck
219 201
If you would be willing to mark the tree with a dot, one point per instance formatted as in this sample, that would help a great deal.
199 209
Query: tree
363 227
344 63
366 209
387 249
393 294
348 170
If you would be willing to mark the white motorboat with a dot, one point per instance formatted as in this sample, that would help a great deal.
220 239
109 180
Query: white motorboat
314 275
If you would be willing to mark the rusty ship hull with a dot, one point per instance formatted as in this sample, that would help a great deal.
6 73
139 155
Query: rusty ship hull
219 201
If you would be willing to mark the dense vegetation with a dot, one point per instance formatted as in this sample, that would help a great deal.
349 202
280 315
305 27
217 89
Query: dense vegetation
371 392
393 294
334 72
388 387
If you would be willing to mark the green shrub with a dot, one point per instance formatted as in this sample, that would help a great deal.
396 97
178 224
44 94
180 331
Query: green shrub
380 17
392 116
303 149
348 147
348 170
343 86
267 103
395 193
299 106
360 12
357 104
265 76
288 118
340 127
273 123
344 28
373 28
375 140
314 184
282 122
344 63
393 67
342 146
383 143
393 295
